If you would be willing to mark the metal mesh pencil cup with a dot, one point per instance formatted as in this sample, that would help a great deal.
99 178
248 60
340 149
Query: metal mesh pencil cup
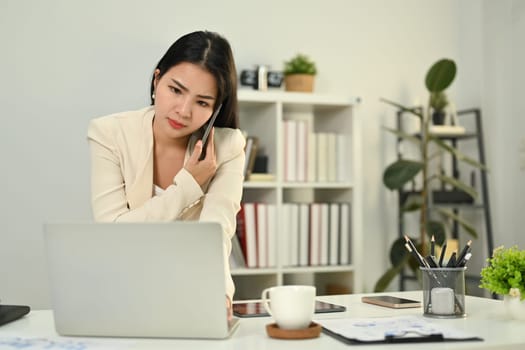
443 292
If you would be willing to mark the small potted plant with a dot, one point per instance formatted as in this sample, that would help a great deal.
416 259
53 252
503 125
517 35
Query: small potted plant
299 73
438 102
505 275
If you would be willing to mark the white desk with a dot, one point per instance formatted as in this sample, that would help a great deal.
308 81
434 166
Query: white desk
485 318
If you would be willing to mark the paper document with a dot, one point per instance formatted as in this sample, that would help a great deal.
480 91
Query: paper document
378 329
10 343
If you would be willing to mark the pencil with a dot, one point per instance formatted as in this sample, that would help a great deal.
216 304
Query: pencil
431 260
461 255
414 254
452 260
410 243
465 259
442 255
432 245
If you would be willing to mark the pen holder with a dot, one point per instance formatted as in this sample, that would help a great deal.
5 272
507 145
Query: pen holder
443 292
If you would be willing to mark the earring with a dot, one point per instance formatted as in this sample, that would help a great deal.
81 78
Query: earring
153 95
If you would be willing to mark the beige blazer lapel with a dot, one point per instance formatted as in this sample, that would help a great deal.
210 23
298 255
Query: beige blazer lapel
142 188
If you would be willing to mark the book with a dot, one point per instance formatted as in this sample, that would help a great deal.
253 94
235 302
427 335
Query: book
271 212
324 232
240 232
285 244
322 157
315 234
261 177
290 224
301 150
290 151
262 235
343 157
344 251
247 152
311 159
331 153
252 145
251 234
304 226
333 254
293 219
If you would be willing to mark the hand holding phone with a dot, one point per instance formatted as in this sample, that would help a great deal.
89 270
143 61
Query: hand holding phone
207 132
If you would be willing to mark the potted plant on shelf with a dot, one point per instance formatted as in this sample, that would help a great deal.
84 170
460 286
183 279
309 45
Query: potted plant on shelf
505 275
405 171
299 73
438 102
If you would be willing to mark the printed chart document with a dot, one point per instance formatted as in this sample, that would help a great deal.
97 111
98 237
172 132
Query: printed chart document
391 329
59 343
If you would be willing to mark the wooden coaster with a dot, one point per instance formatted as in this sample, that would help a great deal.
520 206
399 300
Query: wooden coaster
313 331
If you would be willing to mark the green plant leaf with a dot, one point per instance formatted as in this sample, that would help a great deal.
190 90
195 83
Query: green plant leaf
462 222
414 110
440 75
400 172
460 156
398 251
404 136
300 64
471 191
438 101
412 203
505 271
389 275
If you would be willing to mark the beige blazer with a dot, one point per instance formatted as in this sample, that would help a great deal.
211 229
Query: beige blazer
122 186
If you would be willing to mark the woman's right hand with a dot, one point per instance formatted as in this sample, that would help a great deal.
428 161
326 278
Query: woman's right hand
203 170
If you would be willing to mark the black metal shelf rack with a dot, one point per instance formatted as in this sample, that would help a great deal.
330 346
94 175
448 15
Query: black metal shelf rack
484 202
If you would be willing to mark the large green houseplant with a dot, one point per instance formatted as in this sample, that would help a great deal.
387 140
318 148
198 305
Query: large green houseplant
405 171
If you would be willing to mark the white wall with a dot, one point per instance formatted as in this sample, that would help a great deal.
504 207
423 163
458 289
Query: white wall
503 100
65 62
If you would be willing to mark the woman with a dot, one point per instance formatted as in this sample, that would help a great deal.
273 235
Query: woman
145 163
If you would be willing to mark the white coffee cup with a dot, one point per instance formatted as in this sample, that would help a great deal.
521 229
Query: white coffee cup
292 307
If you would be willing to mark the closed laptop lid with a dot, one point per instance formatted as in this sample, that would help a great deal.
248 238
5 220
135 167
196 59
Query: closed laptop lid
137 279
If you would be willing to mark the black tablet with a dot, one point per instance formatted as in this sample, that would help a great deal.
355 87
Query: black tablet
256 309
10 313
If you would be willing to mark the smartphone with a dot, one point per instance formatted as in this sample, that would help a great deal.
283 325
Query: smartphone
256 309
390 301
207 132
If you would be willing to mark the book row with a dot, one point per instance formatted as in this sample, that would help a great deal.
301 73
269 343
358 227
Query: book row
310 234
311 157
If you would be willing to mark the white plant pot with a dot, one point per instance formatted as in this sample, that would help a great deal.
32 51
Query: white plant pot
515 307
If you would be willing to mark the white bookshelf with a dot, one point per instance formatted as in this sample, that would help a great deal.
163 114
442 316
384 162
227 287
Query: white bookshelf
261 114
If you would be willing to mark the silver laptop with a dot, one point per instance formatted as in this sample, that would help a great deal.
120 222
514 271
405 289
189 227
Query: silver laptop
138 279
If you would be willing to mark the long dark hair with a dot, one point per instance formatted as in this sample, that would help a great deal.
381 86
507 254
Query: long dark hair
212 52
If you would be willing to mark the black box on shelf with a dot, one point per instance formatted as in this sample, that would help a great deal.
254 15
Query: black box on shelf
451 196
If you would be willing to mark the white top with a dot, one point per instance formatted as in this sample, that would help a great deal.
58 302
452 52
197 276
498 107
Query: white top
158 190
486 318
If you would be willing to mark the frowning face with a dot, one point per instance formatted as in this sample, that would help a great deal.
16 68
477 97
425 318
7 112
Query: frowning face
185 98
